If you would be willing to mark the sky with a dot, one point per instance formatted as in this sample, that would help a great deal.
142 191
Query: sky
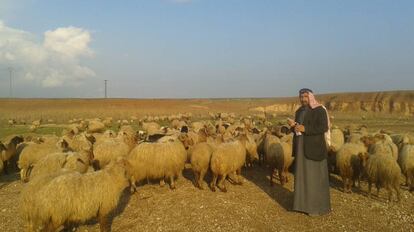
204 48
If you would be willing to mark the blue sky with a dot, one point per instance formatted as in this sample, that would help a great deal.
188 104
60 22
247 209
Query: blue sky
207 48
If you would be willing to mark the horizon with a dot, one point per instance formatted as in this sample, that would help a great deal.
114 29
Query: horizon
193 98
199 49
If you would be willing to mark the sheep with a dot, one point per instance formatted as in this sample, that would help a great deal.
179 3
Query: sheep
37 123
381 143
104 136
34 152
251 138
337 141
107 150
278 155
54 162
10 151
80 142
12 122
95 126
400 140
350 161
157 161
177 124
353 133
2 148
150 126
200 155
406 162
229 158
383 171
64 198
127 130
107 122
196 126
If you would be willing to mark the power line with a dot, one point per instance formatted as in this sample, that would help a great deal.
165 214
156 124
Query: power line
106 96
11 86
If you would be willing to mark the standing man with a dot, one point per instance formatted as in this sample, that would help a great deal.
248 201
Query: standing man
311 191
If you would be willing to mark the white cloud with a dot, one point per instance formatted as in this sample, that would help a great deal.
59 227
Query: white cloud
70 41
55 61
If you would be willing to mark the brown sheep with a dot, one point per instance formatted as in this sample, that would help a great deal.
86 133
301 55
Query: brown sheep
350 161
95 126
337 141
54 162
2 148
406 162
109 149
164 160
10 151
33 152
228 158
200 155
278 155
383 171
64 198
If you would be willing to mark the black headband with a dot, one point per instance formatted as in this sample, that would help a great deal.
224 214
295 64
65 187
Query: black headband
305 90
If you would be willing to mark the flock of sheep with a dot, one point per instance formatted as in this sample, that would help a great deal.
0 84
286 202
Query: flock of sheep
82 174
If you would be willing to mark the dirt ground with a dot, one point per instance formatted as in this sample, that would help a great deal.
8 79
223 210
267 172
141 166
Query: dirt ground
253 206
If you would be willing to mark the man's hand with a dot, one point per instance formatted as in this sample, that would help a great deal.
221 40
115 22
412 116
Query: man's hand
299 128
291 122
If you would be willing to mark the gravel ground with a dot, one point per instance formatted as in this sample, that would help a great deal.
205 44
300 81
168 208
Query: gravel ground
253 206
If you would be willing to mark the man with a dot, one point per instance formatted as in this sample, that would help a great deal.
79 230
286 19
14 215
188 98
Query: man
311 191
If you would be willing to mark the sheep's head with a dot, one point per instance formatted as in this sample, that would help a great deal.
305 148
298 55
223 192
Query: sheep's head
184 129
2 147
90 138
109 134
70 133
250 145
368 140
186 140
17 139
363 158
63 144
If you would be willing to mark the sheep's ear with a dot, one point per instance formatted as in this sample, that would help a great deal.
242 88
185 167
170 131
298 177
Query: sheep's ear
80 160
64 144
380 136
90 138
284 130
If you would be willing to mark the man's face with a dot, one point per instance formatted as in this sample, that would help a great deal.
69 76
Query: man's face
304 99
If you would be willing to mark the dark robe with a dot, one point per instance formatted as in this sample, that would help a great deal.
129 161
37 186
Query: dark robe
311 189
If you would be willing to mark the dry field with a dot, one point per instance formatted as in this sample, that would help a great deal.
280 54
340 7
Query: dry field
254 206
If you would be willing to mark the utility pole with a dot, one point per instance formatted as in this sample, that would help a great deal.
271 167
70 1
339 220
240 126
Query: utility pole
10 87
106 89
